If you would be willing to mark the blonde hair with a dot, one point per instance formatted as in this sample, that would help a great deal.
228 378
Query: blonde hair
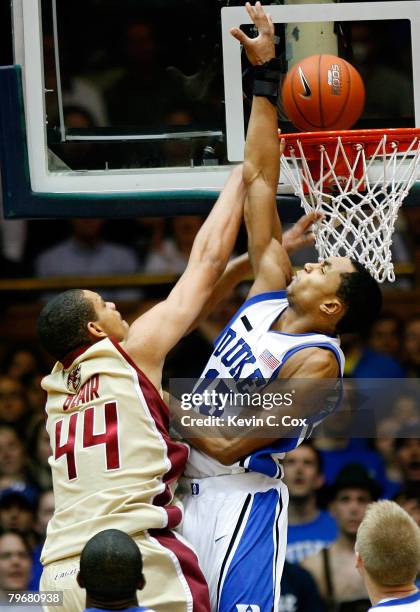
388 541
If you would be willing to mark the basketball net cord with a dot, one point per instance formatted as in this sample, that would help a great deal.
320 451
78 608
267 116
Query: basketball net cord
358 192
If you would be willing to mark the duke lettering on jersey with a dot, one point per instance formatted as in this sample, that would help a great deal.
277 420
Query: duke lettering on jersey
234 353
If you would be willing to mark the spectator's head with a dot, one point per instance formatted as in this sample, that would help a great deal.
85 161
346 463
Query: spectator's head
405 409
386 334
339 292
35 395
185 230
384 442
75 153
77 318
87 231
407 450
303 472
364 45
350 495
39 443
412 342
15 562
388 546
13 459
16 511
22 363
13 406
409 499
141 46
44 512
111 570
178 152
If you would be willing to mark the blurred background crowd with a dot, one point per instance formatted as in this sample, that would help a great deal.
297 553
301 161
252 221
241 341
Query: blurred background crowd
331 480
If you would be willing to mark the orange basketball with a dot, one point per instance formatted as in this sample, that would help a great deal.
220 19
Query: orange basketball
323 92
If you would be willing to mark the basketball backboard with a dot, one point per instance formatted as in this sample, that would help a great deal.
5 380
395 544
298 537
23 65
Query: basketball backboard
381 39
118 112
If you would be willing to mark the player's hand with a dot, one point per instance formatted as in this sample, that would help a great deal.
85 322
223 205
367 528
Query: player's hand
260 49
300 235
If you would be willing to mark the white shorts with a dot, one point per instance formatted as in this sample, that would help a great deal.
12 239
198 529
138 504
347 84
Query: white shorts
238 527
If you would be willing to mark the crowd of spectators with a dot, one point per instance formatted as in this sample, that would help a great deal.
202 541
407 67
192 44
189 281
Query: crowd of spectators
331 479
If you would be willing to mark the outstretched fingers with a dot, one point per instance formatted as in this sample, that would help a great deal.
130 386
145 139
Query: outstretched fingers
240 36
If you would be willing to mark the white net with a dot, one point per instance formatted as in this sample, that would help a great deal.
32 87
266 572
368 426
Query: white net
358 189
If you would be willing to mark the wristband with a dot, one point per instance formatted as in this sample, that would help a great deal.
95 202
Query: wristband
267 80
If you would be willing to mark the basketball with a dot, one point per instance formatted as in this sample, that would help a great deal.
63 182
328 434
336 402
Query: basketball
323 92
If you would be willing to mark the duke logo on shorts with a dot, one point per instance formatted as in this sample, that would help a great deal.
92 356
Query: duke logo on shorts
247 608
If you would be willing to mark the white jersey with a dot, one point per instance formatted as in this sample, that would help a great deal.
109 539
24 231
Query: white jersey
411 603
250 353
113 462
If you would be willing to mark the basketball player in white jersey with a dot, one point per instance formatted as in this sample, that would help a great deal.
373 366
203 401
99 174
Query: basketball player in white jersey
236 515
388 557
113 463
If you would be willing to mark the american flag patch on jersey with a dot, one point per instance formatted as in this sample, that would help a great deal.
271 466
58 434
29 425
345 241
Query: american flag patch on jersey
269 360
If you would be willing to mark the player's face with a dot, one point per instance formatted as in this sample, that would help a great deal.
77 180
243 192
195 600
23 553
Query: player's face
349 508
301 473
318 282
108 317
15 564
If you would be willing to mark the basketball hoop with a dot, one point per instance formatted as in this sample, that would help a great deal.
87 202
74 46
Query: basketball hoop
358 180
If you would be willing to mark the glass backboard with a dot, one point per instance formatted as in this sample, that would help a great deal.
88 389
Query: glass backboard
137 104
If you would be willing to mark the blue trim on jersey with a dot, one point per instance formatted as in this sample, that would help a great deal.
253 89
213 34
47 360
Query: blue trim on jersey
273 331
399 602
261 297
250 577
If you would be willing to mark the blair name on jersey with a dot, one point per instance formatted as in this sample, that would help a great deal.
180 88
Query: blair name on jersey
88 392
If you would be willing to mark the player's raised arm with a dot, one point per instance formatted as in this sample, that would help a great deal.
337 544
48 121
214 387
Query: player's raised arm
153 334
239 269
270 262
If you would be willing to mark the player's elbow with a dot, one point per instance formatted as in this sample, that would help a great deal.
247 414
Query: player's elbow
250 172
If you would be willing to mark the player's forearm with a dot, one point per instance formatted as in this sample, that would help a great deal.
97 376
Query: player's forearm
261 175
261 156
237 270
215 241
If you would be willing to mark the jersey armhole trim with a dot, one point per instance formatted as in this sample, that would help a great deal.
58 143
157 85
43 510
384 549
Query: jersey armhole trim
300 347
140 373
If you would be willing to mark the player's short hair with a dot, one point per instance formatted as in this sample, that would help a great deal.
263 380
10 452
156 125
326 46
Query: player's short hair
111 566
62 323
388 541
361 294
